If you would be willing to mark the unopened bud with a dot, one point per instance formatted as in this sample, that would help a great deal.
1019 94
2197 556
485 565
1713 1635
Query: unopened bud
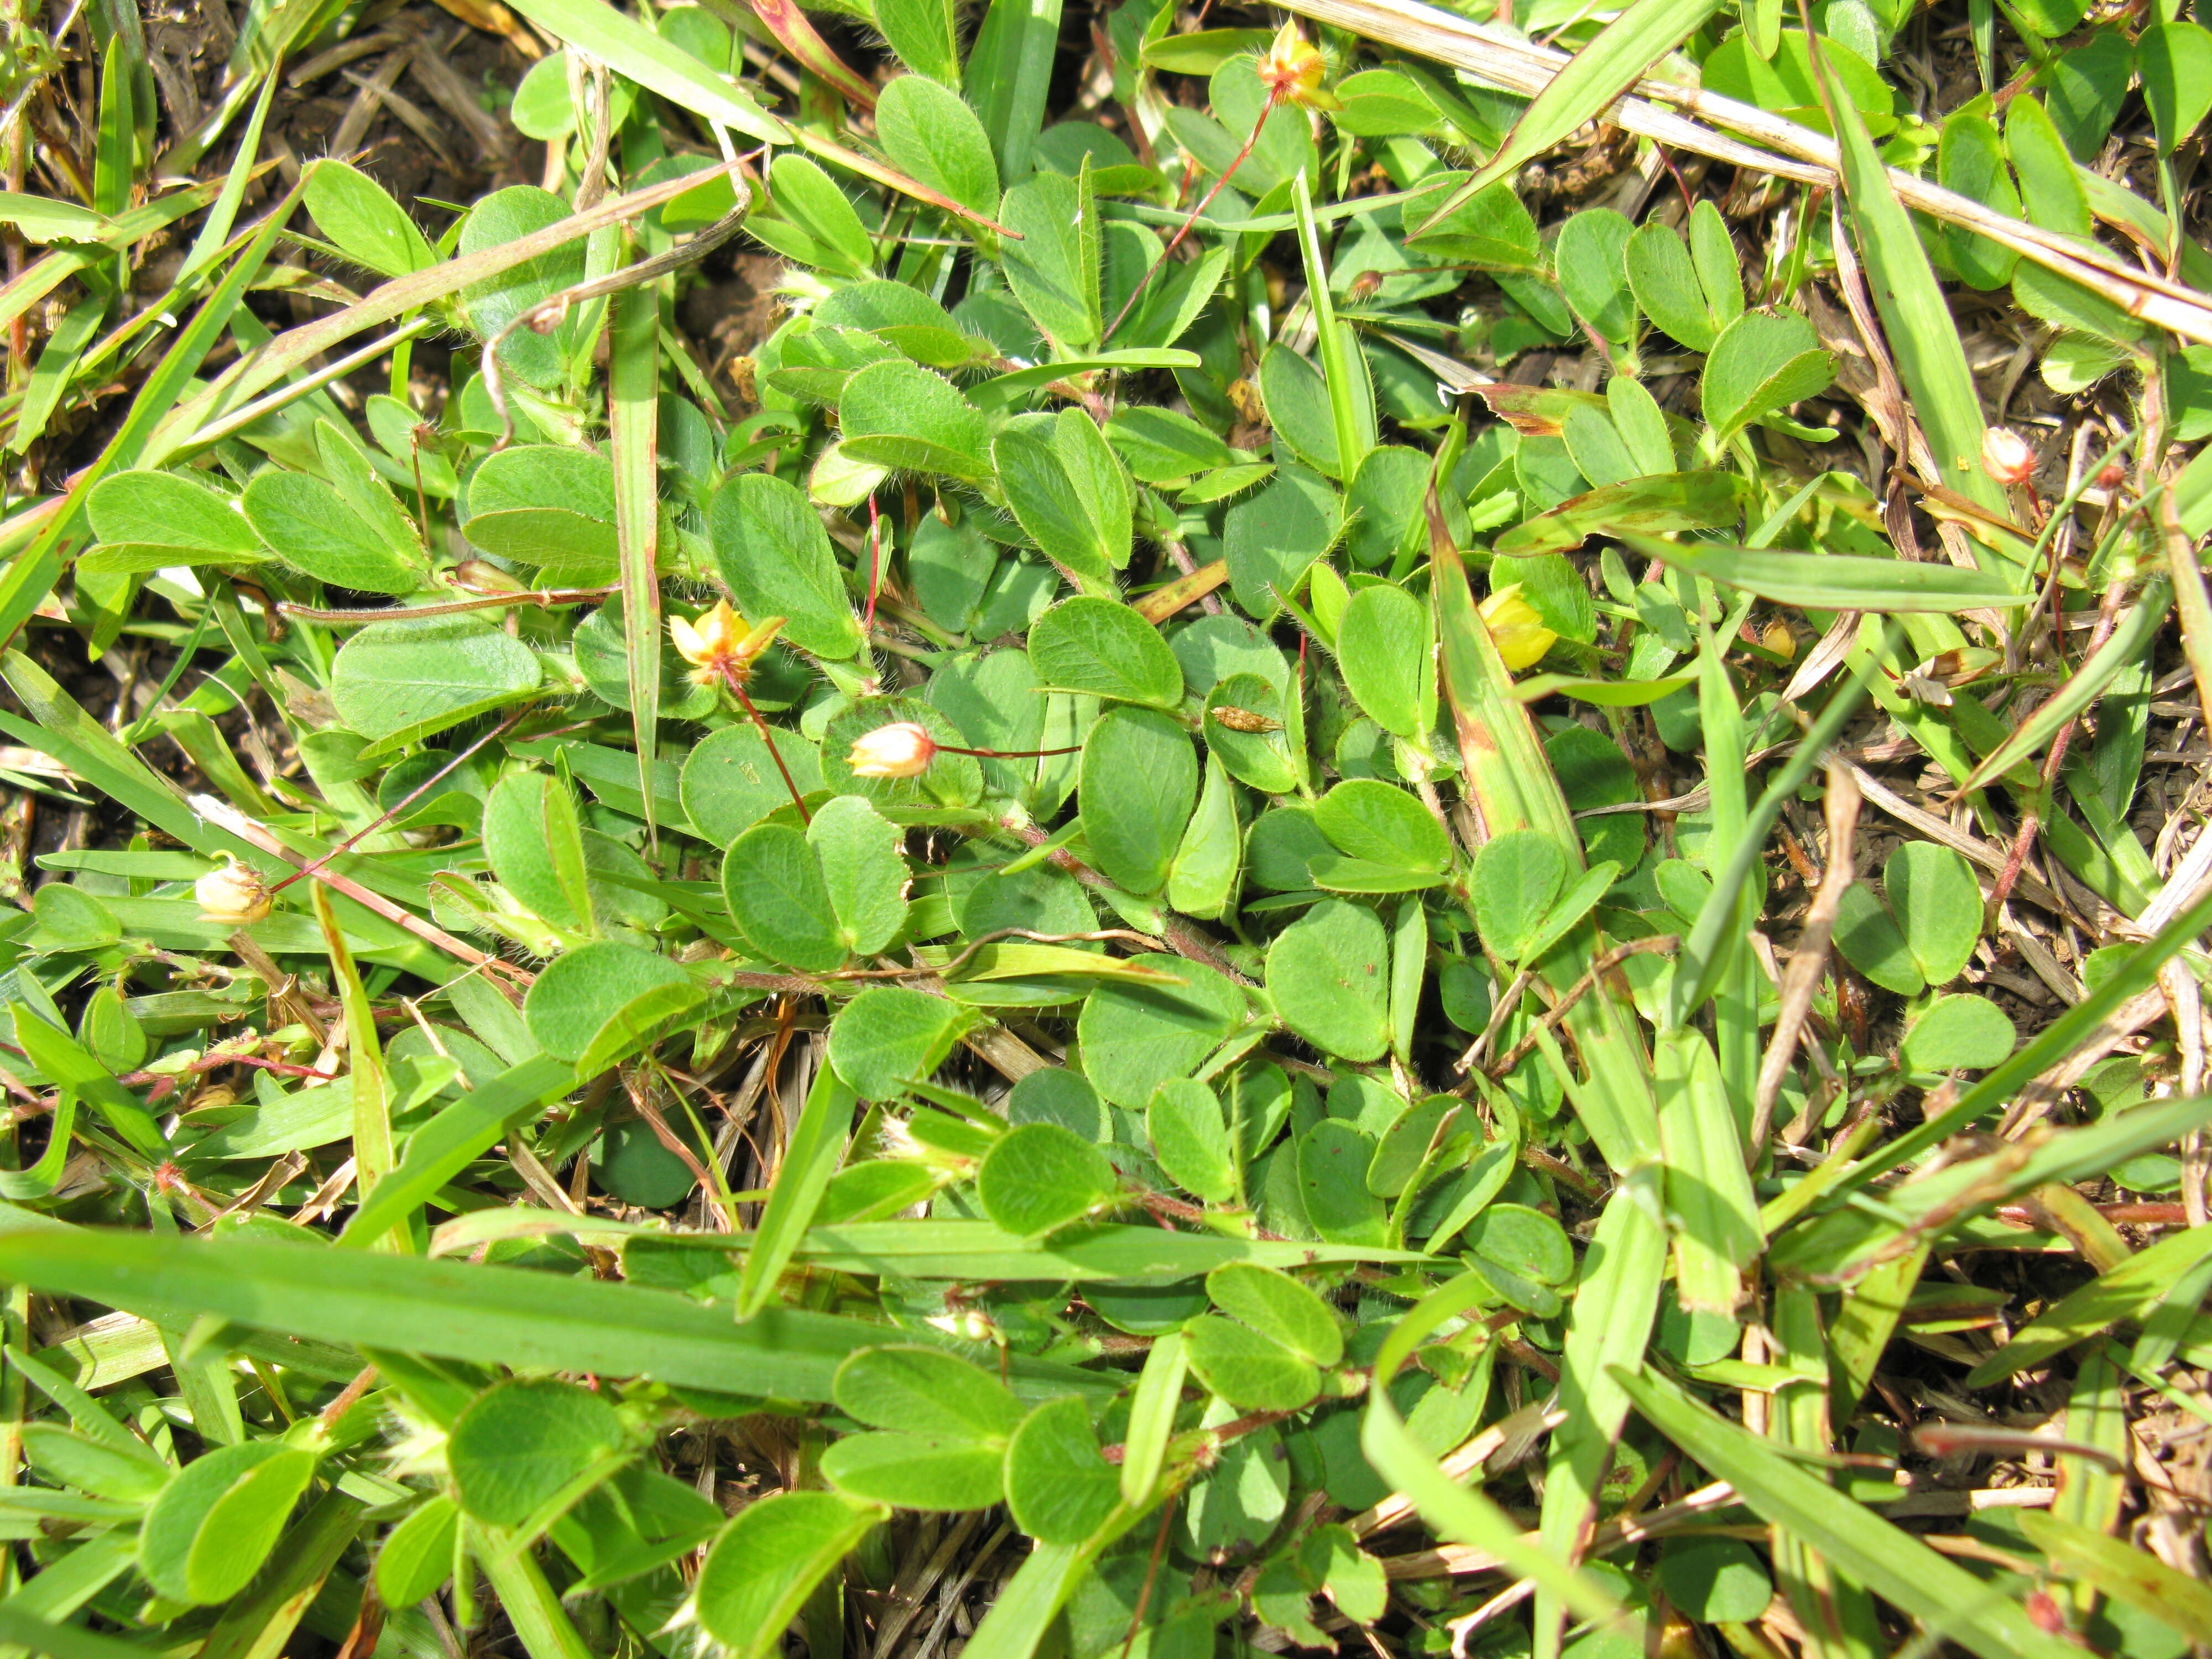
1780 640
483 576
234 895
2006 456
900 749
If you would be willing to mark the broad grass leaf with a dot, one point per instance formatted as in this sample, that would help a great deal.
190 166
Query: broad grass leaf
417 1556
1039 1177
1136 1037
1326 976
729 781
362 221
759 1572
1512 882
1280 1308
1762 363
933 137
2175 62
1936 901
1367 818
546 506
771 548
1835 581
518 1445
916 1472
890 1035
397 682
606 999
1382 650
1190 1140
213 1525
1247 1369
1959 1033
1137 788
772 881
812 1152
1655 504
1059 1487
925 1391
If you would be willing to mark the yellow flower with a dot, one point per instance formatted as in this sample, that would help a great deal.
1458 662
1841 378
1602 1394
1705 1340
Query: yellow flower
718 644
1291 71
900 749
235 895
1515 628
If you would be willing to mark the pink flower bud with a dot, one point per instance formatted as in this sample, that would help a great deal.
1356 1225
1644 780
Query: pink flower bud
900 749
2006 456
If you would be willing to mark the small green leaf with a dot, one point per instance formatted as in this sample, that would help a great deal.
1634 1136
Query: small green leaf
1139 786
1247 1369
1136 1037
1872 942
1279 1307
1103 648
916 1472
547 506
1933 893
925 1391
1327 974
1959 1033
1190 1140
759 1572
889 1036
773 882
1513 881
1366 818
898 414
1059 1487
1665 282
417 1556
771 548
922 32
862 870
398 683
209 1532
1053 269
1382 647
934 138
307 523
357 214
2175 62
1040 1176
1762 363
519 1444
606 999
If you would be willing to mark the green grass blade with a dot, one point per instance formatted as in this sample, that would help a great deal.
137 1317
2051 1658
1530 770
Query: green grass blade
1622 54
1892 1562
373 1154
809 1158
1351 395
634 418
2134 1578
630 49
2129 640
1008 75
2126 1293
1836 581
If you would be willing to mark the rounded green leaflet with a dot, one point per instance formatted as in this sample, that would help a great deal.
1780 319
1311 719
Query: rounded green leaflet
1041 1176
1938 904
360 219
1136 1037
518 1445
1244 731
1527 1240
1665 284
1139 785
889 1036
1253 1372
811 199
862 870
1059 1487
213 1526
417 1554
548 505
924 1391
770 547
764 1565
1053 269
1329 976
1367 818
899 414
606 997
507 215
534 844
1592 270
1874 944
2175 62
729 781
1056 1095
772 883
306 523
1103 648
1714 1580
171 510
1958 1033
1277 1306
399 681
1382 650
1763 362
1333 1158
916 1472
1512 882
1297 398
931 136
1190 1140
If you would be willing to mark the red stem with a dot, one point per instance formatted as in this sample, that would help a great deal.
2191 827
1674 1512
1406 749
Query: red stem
730 677
1196 213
